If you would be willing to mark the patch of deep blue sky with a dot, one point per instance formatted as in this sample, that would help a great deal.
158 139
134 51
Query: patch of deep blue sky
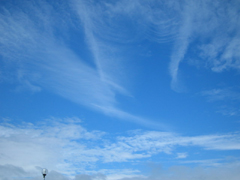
122 55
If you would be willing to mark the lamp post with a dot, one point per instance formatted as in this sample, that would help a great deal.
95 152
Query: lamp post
44 172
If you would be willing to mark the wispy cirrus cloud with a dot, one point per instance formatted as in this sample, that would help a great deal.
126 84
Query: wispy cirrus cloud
226 97
102 39
222 94
212 32
37 52
105 32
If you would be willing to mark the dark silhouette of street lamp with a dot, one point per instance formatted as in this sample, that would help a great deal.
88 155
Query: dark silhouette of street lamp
44 172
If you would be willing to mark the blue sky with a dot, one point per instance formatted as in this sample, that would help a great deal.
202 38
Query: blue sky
120 90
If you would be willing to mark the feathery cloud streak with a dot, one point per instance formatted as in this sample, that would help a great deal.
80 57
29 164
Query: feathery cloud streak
45 61
31 47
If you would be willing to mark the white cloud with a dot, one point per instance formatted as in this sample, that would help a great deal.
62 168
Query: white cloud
221 50
181 155
48 145
155 142
67 147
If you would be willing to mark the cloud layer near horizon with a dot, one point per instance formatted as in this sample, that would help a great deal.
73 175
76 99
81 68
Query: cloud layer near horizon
227 171
65 146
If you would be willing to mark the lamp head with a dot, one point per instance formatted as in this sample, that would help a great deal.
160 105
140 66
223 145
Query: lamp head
44 172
